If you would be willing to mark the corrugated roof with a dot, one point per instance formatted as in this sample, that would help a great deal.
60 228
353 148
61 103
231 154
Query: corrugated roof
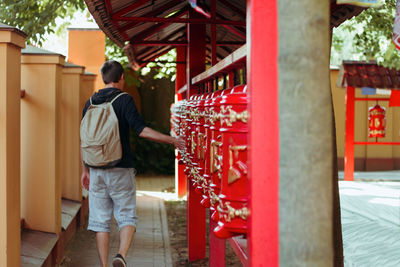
340 13
368 74
123 21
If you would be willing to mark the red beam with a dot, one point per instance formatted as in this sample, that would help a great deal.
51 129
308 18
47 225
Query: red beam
182 43
153 13
262 71
183 20
169 38
349 135
232 29
158 53
144 62
161 43
150 31
235 31
145 52
377 143
127 9
108 6
371 99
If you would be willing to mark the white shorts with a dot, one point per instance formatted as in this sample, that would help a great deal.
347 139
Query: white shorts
112 191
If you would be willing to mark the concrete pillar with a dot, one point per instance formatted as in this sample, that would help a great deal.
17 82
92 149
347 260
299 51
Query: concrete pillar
11 42
72 85
86 47
306 135
41 73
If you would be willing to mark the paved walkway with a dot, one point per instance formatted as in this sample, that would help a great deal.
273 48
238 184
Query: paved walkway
151 246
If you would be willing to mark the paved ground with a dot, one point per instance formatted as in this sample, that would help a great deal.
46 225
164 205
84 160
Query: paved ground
151 243
152 248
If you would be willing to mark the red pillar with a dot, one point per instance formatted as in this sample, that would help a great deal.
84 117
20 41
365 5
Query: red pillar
262 77
213 33
196 217
217 245
196 54
349 136
180 81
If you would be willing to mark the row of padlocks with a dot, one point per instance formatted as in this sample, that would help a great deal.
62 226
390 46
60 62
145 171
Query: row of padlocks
215 127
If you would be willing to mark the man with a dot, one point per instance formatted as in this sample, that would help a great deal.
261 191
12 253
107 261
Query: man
113 190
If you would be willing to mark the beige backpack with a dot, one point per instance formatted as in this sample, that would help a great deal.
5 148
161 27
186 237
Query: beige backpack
99 131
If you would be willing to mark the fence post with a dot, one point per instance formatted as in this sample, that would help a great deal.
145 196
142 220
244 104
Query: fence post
41 77
11 42
69 134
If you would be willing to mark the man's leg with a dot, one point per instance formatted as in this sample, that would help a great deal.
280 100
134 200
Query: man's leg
102 239
125 239
124 208
100 212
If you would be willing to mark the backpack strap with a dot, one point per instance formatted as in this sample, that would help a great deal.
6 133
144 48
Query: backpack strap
123 93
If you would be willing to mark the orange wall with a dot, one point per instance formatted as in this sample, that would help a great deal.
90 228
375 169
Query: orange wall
41 77
86 47
10 75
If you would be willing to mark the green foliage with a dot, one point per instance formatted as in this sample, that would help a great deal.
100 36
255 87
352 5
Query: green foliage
151 157
36 18
368 36
165 66
115 52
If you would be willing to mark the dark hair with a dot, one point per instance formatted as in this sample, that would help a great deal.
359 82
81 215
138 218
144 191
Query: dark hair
111 71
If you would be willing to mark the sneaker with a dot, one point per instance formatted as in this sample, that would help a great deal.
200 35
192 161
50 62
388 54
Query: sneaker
118 261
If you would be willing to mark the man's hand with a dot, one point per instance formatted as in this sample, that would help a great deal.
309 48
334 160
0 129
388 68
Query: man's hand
180 143
85 179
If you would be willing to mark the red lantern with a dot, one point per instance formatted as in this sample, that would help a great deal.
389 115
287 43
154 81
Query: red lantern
377 121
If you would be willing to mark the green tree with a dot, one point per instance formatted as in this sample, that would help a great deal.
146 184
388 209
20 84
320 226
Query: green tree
368 36
36 18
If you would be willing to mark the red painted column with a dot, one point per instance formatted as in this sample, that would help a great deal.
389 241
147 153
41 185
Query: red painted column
196 55
217 245
196 213
213 33
180 81
231 82
349 136
262 77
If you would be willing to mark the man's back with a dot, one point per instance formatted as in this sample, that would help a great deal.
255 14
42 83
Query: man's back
128 117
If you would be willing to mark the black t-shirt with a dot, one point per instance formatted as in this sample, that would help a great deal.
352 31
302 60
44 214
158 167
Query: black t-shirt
128 117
